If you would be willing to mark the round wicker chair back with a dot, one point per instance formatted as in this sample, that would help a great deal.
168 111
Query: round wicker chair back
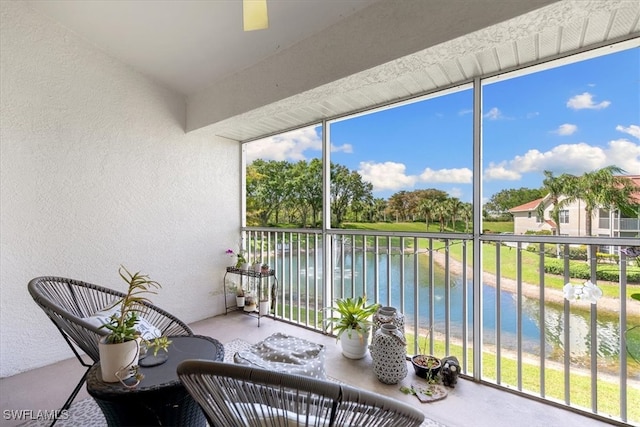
67 302
245 395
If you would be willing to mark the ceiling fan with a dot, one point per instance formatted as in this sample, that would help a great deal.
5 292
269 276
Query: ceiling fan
254 15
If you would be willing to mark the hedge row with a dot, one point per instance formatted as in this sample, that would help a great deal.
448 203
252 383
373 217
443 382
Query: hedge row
579 270
576 253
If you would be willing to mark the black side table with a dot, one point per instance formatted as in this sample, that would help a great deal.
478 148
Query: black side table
159 399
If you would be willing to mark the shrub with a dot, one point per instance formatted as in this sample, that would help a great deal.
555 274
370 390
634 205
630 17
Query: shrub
581 270
607 258
538 233
579 253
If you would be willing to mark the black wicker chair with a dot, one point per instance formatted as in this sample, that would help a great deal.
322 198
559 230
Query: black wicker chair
235 395
68 301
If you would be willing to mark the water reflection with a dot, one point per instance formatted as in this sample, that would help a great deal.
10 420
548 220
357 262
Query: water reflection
351 278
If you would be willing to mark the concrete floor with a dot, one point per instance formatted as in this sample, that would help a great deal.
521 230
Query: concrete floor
469 404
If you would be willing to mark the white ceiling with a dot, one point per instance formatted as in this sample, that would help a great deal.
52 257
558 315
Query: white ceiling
188 44
372 52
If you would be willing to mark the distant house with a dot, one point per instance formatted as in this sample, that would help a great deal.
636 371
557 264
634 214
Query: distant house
572 218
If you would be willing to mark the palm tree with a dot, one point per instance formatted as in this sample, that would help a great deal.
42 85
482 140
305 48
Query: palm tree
601 188
455 206
441 211
466 213
556 187
427 207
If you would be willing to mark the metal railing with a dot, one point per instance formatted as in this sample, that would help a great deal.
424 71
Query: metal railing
533 340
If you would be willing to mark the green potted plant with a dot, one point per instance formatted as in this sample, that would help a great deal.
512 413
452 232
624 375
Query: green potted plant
351 322
237 289
425 365
120 348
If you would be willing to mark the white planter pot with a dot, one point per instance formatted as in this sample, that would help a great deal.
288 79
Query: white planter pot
118 358
245 266
264 307
354 347
240 301
256 267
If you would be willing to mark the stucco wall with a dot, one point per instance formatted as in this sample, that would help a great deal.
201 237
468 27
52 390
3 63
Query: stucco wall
97 171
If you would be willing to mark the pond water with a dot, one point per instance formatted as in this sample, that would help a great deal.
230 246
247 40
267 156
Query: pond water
608 328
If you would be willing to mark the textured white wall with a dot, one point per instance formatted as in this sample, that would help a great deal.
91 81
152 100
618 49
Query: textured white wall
96 170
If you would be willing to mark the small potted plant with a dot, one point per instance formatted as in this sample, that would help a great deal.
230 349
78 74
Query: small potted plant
120 349
265 303
239 296
238 291
425 365
352 325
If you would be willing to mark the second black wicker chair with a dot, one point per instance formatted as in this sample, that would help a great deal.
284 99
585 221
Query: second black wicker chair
67 302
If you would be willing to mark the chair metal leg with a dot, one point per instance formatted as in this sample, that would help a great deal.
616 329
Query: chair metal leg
76 390
72 396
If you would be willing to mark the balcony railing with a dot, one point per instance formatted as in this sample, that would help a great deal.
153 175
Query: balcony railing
620 224
507 320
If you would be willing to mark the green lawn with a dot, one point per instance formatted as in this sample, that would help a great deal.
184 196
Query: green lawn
579 388
580 383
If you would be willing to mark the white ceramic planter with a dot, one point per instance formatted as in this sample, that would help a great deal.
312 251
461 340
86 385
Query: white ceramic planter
354 347
240 301
118 357
264 307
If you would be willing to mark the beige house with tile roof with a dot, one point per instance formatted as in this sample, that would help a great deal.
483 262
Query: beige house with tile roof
573 218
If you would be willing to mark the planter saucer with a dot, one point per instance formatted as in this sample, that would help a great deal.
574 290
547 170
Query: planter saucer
151 360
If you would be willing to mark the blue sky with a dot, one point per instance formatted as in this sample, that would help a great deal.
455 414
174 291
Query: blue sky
575 118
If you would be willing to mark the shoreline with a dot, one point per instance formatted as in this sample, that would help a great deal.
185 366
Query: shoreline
608 304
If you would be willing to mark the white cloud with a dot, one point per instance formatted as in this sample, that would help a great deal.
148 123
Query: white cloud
459 176
494 114
464 112
500 172
345 148
624 154
386 176
532 115
633 130
569 158
393 176
566 129
585 100
287 146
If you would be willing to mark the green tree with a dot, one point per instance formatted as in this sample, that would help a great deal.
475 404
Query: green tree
379 209
346 188
268 187
500 203
307 190
454 206
467 215
398 205
441 212
427 207
555 187
603 188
